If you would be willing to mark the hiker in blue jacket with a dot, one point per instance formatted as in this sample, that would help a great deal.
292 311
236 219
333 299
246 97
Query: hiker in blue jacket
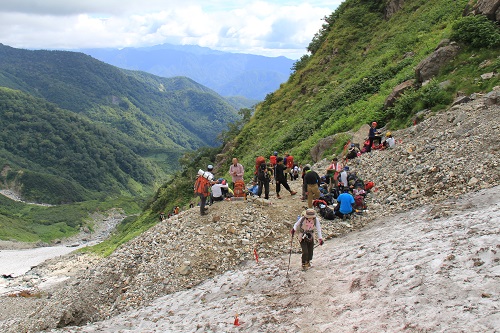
345 203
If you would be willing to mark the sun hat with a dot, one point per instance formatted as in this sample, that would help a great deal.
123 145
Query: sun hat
310 213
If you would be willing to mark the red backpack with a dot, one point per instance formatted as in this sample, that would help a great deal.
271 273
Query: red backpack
369 185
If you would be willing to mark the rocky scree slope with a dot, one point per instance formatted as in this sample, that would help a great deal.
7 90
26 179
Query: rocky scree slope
444 156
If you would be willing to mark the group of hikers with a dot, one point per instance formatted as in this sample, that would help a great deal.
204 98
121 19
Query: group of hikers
339 187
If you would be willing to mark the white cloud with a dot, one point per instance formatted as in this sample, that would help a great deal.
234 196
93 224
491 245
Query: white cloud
257 27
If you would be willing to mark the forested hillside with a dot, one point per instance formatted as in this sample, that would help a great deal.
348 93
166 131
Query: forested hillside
89 126
178 109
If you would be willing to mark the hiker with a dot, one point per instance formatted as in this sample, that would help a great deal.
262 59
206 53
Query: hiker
258 161
311 179
352 153
289 166
254 189
343 178
359 190
345 203
295 172
332 173
304 185
305 227
176 210
263 180
389 140
162 216
373 135
217 194
236 171
272 160
202 187
281 178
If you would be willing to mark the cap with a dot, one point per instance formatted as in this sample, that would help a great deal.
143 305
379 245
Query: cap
210 167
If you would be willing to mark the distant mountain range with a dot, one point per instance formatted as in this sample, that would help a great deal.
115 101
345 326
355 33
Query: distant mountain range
229 74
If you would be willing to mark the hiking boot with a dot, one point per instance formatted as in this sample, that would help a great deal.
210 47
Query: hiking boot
278 196
293 192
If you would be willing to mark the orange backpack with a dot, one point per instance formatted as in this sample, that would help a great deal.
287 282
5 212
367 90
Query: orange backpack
239 189
201 186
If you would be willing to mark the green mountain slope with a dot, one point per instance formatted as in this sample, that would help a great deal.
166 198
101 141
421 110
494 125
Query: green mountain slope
64 156
181 111
88 128
363 51
357 59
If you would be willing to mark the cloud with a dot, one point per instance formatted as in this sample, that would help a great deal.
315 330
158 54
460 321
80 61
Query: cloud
257 27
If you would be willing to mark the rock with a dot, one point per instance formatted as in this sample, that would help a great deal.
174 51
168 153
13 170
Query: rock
396 92
431 65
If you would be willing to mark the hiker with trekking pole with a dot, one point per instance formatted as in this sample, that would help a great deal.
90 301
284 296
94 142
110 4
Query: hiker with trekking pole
305 227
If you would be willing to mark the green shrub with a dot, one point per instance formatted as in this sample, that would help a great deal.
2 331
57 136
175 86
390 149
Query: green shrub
477 31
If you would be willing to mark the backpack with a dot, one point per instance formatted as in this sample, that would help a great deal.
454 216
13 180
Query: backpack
329 198
327 213
201 186
239 189
318 202
258 162
263 173
359 202
369 186
359 183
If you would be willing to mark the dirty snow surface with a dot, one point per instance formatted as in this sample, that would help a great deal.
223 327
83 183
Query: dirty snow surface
404 273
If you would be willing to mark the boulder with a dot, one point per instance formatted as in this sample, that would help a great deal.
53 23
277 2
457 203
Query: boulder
431 65
398 91
488 8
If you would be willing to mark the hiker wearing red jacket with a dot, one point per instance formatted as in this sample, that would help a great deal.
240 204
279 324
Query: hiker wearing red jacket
289 166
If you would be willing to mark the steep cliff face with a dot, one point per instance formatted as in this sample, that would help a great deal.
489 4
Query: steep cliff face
392 7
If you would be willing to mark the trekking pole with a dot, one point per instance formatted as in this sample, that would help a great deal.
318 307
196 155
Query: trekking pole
289 257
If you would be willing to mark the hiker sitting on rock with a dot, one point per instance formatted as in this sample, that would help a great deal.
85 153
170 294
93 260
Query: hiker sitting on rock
217 190
305 227
389 140
352 152
345 203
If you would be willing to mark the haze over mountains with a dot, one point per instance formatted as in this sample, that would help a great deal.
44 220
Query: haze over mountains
229 74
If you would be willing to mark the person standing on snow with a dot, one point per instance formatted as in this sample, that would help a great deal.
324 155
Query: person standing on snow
305 228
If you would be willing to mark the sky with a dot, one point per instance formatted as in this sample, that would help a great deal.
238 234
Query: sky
269 28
